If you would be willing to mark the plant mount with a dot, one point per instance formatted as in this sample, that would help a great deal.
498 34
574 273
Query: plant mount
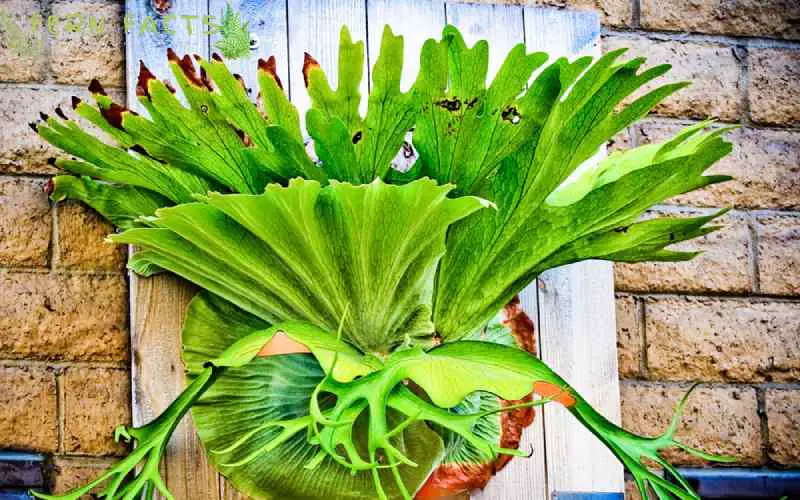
343 300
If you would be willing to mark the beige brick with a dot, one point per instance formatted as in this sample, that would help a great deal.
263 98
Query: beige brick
765 165
722 267
768 18
774 86
611 12
21 149
621 141
629 337
618 13
25 223
713 70
711 339
77 57
778 255
58 317
69 473
22 50
722 420
28 409
96 401
81 240
631 491
783 422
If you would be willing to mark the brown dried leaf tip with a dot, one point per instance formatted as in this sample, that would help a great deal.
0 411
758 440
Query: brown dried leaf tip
142 83
161 6
50 186
309 63
76 101
270 67
95 87
114 114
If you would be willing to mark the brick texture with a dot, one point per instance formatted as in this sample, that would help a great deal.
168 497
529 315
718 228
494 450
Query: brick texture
77 57
21 49
618 13
778 255
25 223
21 150
629 337
716 419
712 339
96 401
724 265
765 165
71 473
774 86
783 419
770 18
713 70
81 240
61 317
28 409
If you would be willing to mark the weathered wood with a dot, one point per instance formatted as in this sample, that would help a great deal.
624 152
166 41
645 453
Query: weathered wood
158 304
502 26
266 20
314 27
575 305
576 310
416 20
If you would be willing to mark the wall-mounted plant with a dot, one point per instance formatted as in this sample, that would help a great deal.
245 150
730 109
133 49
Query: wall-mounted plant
347 342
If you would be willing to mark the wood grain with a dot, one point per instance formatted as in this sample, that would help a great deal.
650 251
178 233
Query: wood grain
415 20
574 304
314 27
576 309
158 304
502 26
266 21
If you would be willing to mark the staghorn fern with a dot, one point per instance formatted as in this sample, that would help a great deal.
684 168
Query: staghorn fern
379 289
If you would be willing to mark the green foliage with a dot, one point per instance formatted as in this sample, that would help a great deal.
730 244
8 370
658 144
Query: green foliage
226 195
305 252
238 418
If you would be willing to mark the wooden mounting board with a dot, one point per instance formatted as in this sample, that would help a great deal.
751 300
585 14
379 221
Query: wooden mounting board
574 305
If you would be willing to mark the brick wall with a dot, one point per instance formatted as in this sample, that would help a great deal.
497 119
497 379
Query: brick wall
730 318
64 377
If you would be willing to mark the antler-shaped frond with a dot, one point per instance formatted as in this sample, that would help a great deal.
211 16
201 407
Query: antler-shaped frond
526 153
143 462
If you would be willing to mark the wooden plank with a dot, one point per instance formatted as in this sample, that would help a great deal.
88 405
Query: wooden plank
502 27
151 47
314 27
523 478
577 333
416 20
576 310
158 304
267 26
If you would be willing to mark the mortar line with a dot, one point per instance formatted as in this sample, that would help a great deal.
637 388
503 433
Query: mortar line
641 317
739 297
61 413
752 227
706 38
